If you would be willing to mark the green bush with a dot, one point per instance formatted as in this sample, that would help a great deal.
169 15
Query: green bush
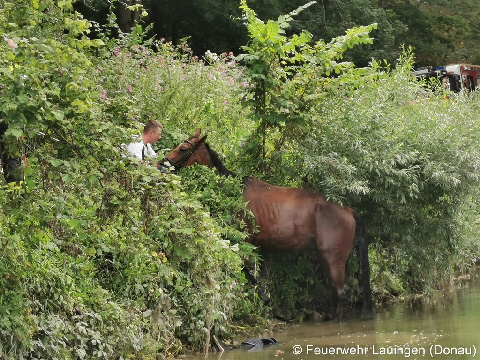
407 159
100 255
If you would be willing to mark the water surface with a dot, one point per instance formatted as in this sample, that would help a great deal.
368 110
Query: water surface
447 330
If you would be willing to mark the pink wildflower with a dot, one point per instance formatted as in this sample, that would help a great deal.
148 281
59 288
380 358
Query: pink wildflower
103 95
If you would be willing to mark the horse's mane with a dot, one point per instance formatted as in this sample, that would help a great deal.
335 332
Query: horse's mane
222 170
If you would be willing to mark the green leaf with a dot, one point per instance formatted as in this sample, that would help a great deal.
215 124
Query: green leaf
80 105
67 178
186 231
55 162
59 115
15 132
73 223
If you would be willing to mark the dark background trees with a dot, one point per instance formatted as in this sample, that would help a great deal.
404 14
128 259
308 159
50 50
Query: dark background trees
439 31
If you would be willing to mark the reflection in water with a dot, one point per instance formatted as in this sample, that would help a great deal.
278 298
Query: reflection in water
447 330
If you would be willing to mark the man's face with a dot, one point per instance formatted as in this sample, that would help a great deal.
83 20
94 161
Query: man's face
154 135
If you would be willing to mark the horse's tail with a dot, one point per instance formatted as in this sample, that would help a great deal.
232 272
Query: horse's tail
363 243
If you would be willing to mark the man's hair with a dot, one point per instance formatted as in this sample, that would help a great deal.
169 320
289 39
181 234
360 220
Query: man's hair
151 125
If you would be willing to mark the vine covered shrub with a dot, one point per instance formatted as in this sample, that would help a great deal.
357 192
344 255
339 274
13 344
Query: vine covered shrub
103 257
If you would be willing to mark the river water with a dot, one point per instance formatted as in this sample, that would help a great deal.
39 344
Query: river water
449 329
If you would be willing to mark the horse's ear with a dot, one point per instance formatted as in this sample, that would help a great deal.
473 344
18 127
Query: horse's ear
197 133
202 139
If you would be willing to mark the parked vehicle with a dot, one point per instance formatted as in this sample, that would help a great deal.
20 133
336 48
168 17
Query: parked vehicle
463 77
455 77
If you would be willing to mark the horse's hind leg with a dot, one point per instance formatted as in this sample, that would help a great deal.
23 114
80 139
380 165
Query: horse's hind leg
334 262
337 275
334 298
335 233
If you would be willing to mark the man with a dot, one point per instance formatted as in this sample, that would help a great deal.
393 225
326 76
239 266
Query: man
151 134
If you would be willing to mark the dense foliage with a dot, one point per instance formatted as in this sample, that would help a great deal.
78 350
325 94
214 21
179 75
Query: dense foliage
99 254
105 257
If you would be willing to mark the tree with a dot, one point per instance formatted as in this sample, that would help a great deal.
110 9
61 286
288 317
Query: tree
288 75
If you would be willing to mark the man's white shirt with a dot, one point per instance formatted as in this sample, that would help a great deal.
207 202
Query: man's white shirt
141 150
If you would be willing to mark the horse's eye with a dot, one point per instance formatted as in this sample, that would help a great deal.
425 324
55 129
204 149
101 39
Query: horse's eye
183 148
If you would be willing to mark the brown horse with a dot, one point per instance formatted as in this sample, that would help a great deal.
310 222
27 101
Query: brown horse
290 219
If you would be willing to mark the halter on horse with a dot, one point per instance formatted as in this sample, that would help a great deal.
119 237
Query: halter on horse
291 219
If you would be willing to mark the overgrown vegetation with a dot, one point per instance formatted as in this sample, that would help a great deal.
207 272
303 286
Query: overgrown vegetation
100 254
104 257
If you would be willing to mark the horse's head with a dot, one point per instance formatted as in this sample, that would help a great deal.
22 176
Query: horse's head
190 152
